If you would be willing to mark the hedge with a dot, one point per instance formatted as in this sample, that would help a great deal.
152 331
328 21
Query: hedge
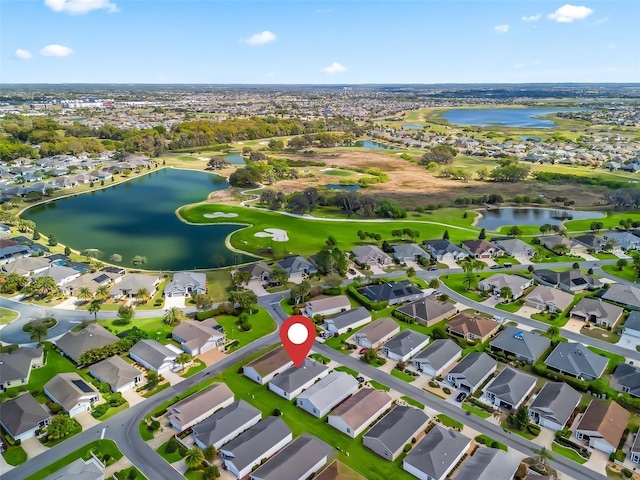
364 300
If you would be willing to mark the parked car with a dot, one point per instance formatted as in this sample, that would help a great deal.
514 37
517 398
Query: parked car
362 350
507 265
432 268
461 397
352 271
360 379
495 267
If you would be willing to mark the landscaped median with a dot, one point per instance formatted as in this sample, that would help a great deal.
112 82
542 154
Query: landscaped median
570 453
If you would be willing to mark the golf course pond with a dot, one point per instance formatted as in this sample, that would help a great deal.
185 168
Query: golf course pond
494 219
138 217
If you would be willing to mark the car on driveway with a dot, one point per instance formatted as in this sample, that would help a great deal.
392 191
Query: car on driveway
362 350
352 271
360 379
461 397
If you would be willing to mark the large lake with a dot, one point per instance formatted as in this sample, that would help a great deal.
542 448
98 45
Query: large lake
505 117
138 218
494 219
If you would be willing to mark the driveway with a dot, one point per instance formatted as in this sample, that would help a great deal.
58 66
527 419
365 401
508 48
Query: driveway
628 341
86 420
212 356
574 325
527 311
546 437
524 260
450 263
256 287
174 302
588 258
598 461
376 270
33 447
132 397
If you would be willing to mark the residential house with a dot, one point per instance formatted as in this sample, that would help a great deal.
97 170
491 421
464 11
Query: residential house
553 406
263 369
199 406
473 328
472 371
74 344
596 311
347 321
396 429
632 324
525 346
60 274
337 470
436 455
65 182
291 383
321 397
297 267
634 451
495 283
72 392
26 266
90 280
226 424
119 374
405 345
10 253
22 416
444 250
299 460
572 281
623 240
510 388
592 242
548 299
603 425
428 311
79 469
376 333
327 306
626 295
186 284
393 292
259 271
552 242
437 357
409 252
481 249
515 247
196 337
371 255
153 355
247 450
626 379
131 283
15 367
359 411
576 360
488 464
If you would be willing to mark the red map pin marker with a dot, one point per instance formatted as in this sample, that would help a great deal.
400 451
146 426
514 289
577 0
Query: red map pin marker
297 334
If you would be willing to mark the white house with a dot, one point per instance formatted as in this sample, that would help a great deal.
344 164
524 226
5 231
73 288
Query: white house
290 383
199 406
72 392
152 355
321 397
327 306
263 369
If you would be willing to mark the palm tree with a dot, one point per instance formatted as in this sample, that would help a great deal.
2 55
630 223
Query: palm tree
94 307
84 293
38 331
209 453
173 316
183 359
143 295
103 292
506 292
193 458
411 272
553 331
44 285
469 281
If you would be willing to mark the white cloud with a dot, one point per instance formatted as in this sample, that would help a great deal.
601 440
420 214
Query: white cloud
568 13
260 38
532 18
501 28
56 50
334 68
22 54
80 7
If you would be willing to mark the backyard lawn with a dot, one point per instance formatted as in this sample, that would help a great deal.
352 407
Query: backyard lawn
154 327
261 324
455 282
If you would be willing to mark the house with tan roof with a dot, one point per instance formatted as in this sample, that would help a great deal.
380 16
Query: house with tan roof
481 249
371 255
119 374
199 406
596 311
359 411
72 392
428 311
327 306
74 344
471 327
337 470
263 369
376 333
548 299
603 425
196 337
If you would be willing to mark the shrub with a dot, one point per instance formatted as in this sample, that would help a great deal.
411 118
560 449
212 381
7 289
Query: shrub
277 412
55 408
407 448
627 473
172 445
533 429
154 425
446 390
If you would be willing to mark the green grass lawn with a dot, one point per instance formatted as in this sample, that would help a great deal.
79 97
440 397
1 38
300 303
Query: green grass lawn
360 459
489 442
600 334
475 410
261 324
447 421
15 455
614 358
402 376
154 327
219 284
379 386
511 307
413 402
455 282
76 429
104 446
611 220
197 366
7 316
124 474
307 237
627 273
114 411
319 358
157 301
344 369
158 389
169 457
570 453
523 433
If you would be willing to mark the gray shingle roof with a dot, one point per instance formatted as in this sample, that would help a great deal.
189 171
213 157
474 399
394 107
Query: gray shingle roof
474 367
323 394
297 264
152 352
633 321
513 246
405 250
624 294
511 385
294 460
436 453
16 365
68 388
294 377
224 422
528 345
74 344
21 414
627 376
438 353
182 281
115 371
396 428
78 470
440 247
556 402
389 291
348 318
489 464
404 342
577 360
601 311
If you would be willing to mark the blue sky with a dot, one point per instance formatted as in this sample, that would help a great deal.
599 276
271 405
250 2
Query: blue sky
394 41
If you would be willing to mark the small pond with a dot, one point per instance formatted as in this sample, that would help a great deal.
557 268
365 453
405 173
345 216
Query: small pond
494 219
235 158
337 186
371 145
412 126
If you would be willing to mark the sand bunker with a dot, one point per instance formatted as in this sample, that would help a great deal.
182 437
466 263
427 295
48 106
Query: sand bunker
219 214
276 234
